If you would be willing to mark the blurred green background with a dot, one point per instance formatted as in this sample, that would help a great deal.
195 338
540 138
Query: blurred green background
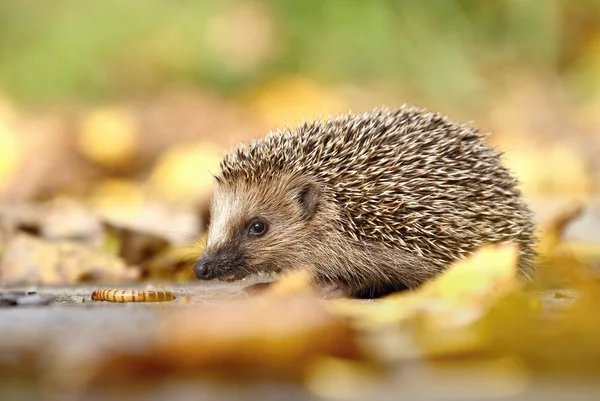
443 49
164 73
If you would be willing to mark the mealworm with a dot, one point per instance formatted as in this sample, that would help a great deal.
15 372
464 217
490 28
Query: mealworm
112 295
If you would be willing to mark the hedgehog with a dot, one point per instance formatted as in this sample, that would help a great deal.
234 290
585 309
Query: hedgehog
369 203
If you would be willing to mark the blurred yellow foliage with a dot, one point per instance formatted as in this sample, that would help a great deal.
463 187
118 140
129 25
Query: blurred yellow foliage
31 260
477 279
10 152
297 281
186 171
293 100
566 171
553 229
109 136
456 298
334 378
560 335
471 280
117 197
478 307
8 112
459 298
558 169
528 166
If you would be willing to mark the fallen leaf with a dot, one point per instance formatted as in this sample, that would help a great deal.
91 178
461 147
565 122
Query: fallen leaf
452 304
553 229
460 298
472 283
186 171
109 136
550 339
293 100
136 247
173 264
10 152
30 260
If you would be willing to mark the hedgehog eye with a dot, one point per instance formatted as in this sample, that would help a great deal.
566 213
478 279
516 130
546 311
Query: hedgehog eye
257 228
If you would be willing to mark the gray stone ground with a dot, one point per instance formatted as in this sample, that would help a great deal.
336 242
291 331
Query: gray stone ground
74 324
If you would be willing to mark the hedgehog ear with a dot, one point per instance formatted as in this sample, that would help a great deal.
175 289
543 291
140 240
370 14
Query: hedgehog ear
307 196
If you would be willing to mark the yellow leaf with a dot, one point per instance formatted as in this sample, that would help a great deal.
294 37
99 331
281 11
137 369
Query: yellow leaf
116 198
186 171
461 294
10 152
109 136
292 100
479 278
553 229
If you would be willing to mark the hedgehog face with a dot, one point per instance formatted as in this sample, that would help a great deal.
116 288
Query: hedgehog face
257 228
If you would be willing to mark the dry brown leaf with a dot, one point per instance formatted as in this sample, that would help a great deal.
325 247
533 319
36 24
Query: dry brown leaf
61 218
29 260
553 229
173 264
60 169
136 247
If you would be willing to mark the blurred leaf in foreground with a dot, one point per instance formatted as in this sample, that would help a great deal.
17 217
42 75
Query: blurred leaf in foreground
466 287
564 335
458 302
561 336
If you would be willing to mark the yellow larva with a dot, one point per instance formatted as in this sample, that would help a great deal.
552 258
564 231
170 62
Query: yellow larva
112 295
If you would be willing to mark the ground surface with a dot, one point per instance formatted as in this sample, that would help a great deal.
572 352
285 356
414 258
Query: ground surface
73 324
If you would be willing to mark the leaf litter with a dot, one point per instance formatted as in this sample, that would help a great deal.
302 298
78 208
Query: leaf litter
477 316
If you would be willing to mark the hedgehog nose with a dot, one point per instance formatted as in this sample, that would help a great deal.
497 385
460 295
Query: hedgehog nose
203 269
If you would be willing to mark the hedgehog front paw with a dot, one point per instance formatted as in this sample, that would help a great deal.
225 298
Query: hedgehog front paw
334 290
256 288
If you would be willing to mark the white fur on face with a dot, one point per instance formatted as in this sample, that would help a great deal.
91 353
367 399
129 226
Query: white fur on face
226 213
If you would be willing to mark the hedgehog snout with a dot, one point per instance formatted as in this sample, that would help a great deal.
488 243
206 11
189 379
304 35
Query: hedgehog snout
203 268
223 263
